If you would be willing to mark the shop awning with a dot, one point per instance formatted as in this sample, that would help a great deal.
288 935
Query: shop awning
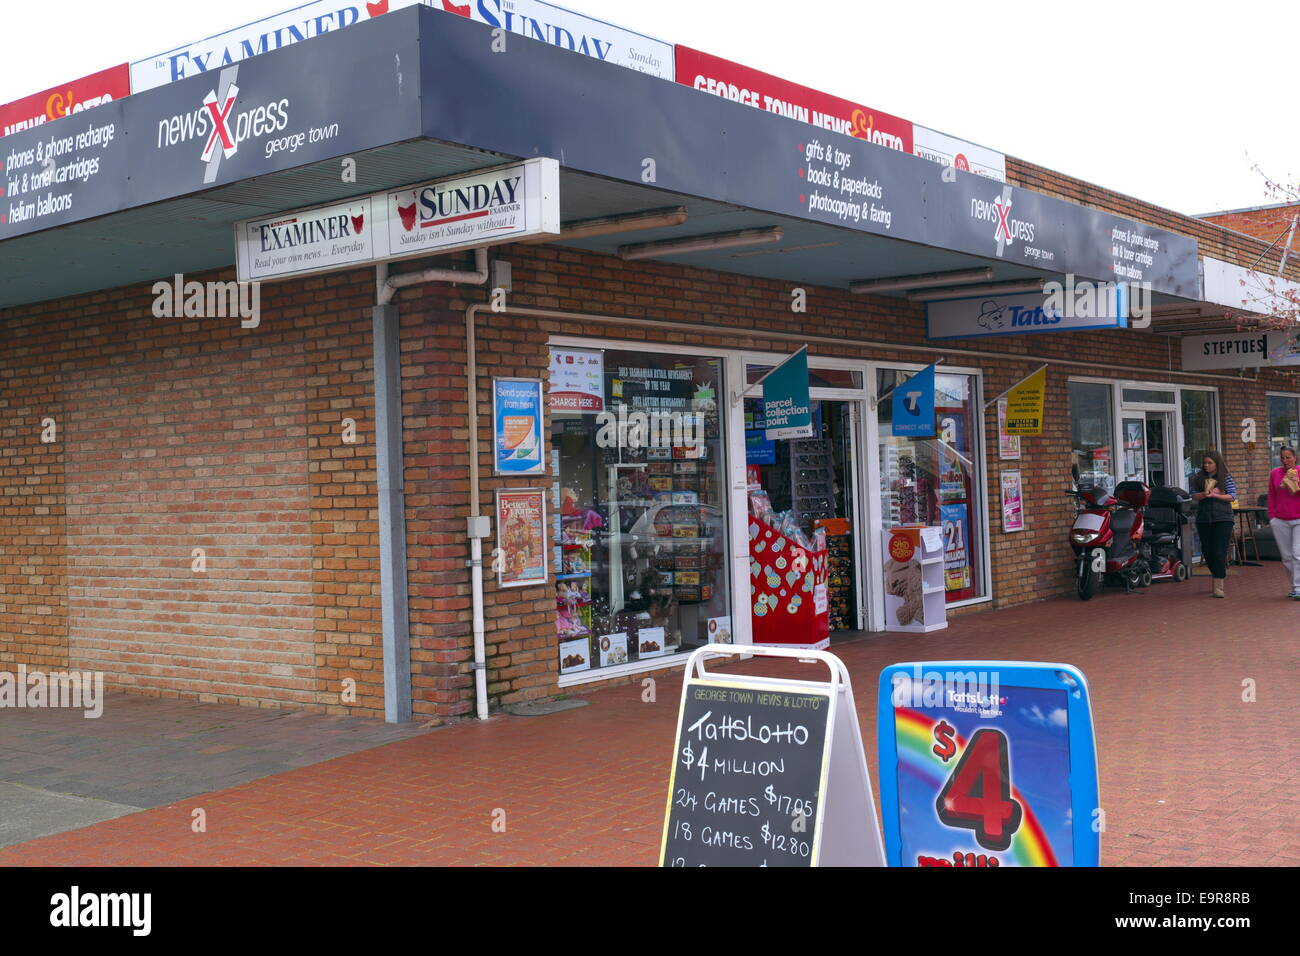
151 185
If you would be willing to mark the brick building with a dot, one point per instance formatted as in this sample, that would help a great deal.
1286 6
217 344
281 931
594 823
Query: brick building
277 514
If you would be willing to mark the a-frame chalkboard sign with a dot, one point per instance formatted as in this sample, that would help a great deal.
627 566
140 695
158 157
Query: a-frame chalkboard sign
768 771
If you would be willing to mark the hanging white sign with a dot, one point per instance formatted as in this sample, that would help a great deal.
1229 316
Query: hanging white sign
503 204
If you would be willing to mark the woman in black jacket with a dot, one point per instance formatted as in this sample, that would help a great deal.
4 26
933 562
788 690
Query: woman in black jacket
1215 491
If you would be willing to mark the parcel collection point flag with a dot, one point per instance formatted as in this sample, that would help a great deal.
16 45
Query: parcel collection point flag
987 763
768 771
913 405
1025 402
787 409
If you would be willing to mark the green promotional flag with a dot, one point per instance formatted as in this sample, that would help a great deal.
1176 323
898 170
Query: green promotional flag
787 410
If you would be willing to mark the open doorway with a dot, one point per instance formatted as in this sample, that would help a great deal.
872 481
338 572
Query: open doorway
817 479
1149 441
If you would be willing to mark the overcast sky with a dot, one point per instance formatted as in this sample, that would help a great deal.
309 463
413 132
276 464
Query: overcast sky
1171 102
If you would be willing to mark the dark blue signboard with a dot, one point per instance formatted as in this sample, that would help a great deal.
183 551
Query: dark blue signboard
419 72
332 96
536 100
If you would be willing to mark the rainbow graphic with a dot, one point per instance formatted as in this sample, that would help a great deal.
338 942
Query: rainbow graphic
914 733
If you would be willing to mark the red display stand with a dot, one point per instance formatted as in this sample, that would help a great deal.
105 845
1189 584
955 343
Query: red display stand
787 589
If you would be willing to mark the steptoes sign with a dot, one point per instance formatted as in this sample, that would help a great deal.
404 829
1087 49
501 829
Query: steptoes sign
247 119
498 205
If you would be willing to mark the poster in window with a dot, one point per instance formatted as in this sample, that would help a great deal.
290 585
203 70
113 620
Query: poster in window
521 537
577 381
517 426
1008 445
956 547
1013 504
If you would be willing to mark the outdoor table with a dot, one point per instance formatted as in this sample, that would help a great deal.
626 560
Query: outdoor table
1246 531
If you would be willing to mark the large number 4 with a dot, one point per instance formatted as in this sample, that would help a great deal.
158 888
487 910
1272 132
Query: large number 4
978 794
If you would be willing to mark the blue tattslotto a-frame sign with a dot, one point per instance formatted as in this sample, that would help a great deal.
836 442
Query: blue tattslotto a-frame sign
987 763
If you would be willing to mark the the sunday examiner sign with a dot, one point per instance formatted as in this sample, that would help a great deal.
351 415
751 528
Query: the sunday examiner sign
504 204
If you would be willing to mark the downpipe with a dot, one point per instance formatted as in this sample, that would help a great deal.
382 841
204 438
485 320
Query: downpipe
386 288
388 285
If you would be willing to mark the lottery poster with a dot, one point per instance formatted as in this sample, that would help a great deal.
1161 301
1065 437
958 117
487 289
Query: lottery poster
987 764
956 557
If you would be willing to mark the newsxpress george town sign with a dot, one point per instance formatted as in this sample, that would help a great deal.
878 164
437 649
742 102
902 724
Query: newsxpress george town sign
504 204
335 95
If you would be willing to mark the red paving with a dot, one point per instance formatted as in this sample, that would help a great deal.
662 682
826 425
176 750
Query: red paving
1190 774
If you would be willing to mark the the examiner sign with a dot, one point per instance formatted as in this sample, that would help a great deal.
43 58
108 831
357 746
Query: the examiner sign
504 204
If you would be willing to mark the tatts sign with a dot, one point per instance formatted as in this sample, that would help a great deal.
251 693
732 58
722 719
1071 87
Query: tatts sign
504 204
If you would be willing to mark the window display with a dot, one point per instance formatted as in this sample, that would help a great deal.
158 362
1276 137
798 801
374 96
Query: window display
640 505
1092 424
1200 416
936 481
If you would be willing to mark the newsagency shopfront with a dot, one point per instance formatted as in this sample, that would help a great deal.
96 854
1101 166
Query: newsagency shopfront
646 447
535 398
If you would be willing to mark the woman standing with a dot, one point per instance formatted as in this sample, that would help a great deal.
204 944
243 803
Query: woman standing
1214 488
1284 516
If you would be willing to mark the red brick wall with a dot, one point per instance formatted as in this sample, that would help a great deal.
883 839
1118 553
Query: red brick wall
1270 223
248 423
1027 565
166 456
184 433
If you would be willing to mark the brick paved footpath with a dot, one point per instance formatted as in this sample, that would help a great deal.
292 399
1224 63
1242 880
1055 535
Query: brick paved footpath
1190 774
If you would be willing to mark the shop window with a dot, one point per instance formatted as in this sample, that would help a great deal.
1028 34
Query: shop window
937 481
1092 424
1283 424
639 498
1200 430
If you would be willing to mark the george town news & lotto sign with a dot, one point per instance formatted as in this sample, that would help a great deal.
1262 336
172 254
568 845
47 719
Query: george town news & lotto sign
732 81
504 204
67 99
